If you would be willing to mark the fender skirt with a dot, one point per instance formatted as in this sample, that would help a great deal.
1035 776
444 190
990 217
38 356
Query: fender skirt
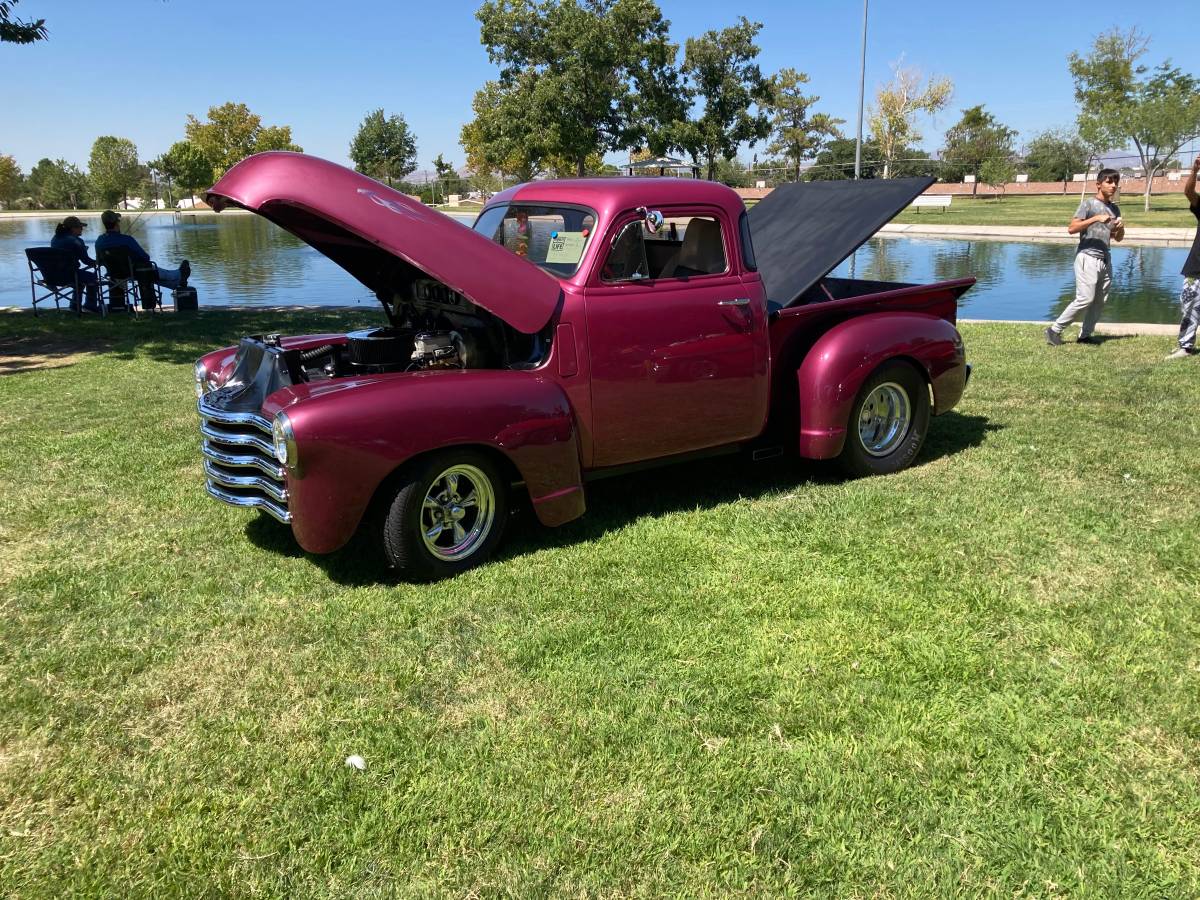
837 366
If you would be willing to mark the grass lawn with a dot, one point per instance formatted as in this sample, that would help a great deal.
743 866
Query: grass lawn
976 677
1167 211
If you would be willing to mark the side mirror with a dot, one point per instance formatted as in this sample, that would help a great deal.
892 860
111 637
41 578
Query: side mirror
652 219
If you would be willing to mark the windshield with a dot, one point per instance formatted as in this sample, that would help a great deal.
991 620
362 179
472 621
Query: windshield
552 237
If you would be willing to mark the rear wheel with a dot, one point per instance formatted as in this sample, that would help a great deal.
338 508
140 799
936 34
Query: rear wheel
888 421
446 516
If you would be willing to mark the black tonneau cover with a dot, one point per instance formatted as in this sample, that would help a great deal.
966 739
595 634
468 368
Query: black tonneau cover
803 231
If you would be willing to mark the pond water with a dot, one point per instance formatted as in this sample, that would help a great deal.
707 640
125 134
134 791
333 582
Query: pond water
240 259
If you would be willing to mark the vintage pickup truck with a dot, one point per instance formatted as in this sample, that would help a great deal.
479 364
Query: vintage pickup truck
579 328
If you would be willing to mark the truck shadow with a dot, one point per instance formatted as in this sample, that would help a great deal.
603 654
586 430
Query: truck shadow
614 503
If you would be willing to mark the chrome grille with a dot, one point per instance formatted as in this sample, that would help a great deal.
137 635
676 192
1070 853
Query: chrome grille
239 461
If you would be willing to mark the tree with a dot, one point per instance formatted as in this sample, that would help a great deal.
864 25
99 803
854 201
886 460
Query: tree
589 75
504 136
1158 110
17 31
186 165
232 133
974 139
998 171
720 69
56 184
797 137
10 180
384 148
112 169
836 161
893 117
1055 156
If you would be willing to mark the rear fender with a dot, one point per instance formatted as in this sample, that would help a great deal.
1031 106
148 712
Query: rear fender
353 434
838 364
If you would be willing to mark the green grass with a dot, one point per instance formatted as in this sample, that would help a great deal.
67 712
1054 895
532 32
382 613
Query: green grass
1167 211
976 677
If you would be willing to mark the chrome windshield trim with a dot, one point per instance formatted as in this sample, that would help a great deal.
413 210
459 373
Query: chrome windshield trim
208 411
241 440
266 485
271 509
238 460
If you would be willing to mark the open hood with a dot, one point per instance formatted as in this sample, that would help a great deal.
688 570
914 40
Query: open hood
375 233
803 231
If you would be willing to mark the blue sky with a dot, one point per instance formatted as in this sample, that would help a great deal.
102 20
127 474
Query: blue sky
136 68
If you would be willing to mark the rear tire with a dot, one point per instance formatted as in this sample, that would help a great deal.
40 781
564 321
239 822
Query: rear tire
446 516
888 422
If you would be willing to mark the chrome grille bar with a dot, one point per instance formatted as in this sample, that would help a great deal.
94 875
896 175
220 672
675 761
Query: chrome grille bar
242 461
266 485
238 441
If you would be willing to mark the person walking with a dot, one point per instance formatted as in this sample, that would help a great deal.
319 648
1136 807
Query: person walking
1189 297
1097 222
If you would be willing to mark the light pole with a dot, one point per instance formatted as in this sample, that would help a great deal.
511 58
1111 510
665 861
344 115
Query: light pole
862 89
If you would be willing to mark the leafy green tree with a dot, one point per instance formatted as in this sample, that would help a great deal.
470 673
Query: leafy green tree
590 75
1120 101
997 172
185 165
232 132
384 147
56 184
797 136
17 31
1055 156
720 70
504 136
10 180
112 169
893 117
971 141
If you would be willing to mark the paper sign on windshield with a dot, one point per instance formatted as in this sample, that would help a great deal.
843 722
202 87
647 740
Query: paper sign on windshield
565 247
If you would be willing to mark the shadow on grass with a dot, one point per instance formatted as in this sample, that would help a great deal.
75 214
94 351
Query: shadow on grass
613 503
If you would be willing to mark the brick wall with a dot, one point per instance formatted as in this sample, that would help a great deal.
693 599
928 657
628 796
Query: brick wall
1130 187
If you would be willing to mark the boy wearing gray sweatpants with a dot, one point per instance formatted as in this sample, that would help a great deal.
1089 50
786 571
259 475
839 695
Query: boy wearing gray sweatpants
1097 222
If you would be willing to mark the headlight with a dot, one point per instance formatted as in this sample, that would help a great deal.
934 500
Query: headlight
284 440
201 374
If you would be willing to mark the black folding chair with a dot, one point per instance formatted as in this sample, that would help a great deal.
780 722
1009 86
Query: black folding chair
131 282
56 273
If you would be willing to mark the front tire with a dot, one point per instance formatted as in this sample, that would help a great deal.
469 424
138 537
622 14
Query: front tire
888 422
446 516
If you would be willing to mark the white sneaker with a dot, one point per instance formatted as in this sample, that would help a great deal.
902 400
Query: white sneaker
1179 353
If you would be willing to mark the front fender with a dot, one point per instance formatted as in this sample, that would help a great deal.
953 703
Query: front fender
353 433
838 364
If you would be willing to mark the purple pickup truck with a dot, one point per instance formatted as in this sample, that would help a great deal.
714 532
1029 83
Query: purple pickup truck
578 329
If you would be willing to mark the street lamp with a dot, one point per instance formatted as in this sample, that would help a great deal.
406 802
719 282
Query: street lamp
862 89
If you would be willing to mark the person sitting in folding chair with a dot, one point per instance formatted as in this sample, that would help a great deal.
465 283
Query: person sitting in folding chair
68 236
172 279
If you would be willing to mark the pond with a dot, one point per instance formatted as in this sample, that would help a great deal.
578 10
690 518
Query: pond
240 259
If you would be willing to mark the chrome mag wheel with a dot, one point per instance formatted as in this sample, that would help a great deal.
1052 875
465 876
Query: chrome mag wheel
458 512
884 419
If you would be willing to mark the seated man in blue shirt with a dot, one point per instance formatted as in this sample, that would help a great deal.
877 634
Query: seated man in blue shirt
112 237
68 236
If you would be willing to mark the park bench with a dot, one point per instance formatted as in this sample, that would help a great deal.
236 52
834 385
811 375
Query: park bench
939 200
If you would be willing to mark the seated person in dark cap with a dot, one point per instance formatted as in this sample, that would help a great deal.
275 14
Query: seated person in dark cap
112 238
68 236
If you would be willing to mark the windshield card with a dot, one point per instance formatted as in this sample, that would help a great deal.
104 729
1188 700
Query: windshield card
565 247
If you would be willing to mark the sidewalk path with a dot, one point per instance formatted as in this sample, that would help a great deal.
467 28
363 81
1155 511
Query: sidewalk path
1144 328
1134 237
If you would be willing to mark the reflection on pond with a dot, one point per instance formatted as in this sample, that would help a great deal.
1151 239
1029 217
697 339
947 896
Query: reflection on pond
242 259
1025 280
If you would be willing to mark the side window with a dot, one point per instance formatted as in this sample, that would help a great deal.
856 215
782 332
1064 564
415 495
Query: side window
627 257
687 246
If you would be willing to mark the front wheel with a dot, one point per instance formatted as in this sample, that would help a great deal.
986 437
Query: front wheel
888 421
446 516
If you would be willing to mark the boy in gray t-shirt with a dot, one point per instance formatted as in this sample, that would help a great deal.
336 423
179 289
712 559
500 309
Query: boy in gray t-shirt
1097 222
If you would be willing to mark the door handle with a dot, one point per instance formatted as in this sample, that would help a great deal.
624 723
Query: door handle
740 301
